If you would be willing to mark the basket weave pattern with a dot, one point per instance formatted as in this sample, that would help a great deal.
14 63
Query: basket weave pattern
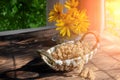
69 64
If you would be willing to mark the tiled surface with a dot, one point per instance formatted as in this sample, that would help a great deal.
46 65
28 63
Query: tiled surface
107 60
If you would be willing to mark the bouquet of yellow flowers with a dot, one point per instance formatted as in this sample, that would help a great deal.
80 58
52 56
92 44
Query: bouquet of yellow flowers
69 19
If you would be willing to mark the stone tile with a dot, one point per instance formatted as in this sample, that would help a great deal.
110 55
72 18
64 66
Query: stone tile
100 75
111 47
104 62
91 66
70 78
115 73
100 54
114 51
60 78
118 79
108 38
116 56
116 66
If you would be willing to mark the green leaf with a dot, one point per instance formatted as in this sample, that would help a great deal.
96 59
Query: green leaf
13 2
20 14
14 10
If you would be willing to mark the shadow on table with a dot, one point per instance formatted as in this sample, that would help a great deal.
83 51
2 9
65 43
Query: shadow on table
33 70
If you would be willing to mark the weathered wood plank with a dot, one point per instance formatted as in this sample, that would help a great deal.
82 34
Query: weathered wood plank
19 49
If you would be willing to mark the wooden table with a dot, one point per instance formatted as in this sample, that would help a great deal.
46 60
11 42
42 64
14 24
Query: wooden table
19 60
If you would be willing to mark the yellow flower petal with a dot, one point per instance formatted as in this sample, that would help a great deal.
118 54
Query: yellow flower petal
56 13
63 34
62 30
71 4
59 24
68 32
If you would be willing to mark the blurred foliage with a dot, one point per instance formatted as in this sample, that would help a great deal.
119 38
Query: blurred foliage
113 17
21 14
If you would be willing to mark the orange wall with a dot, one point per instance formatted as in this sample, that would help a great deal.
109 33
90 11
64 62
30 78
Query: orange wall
94 13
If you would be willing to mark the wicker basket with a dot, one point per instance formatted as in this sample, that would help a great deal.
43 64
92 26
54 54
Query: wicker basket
68 64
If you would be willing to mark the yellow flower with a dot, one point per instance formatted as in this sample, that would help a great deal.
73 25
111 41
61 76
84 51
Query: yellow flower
71 4
64 26
72 21
75 22
56 13
81 22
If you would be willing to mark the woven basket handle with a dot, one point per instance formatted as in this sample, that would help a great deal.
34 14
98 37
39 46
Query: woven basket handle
97 40
43 52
